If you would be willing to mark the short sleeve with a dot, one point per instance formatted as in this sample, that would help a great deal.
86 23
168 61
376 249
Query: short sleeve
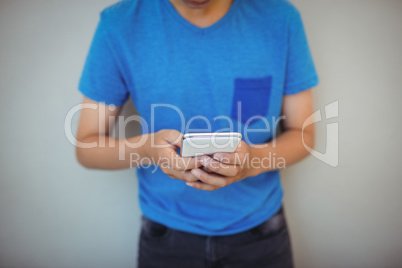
101 79
300 70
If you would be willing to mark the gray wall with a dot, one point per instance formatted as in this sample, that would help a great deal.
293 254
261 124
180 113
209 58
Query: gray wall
54 213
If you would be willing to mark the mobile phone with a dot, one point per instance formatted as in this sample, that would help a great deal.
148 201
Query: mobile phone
197 144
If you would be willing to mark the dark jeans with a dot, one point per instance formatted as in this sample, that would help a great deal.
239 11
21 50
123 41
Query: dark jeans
266 245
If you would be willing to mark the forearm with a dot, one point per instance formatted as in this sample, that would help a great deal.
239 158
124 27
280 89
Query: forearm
112 154
282 152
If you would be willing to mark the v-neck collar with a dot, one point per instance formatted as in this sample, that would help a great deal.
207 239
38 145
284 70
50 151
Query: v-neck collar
193 27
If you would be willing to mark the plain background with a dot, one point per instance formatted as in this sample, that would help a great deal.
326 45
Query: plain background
55 213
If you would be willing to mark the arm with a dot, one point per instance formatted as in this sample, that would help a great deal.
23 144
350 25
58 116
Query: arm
93 128
289 146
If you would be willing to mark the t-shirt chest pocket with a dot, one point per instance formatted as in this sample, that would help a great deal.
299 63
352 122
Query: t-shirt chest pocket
251 98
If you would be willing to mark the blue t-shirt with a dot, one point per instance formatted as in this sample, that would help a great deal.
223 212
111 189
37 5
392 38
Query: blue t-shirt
230 76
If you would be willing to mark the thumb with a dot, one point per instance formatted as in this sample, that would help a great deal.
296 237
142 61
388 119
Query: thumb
173 137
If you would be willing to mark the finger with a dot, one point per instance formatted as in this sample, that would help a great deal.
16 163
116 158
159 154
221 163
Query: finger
211 178
185 163
206 169
228 158
186 176
173 137
219 168
177 162
202 186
